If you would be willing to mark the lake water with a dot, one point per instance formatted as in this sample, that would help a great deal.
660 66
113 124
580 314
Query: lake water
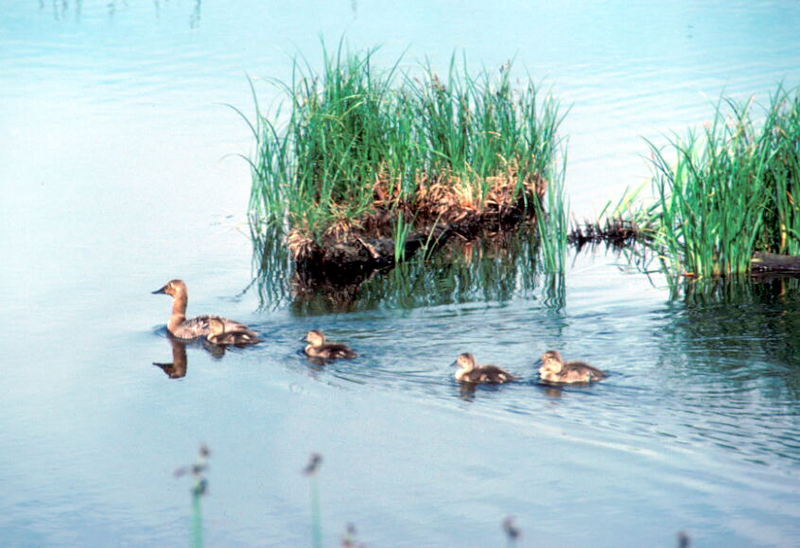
119 171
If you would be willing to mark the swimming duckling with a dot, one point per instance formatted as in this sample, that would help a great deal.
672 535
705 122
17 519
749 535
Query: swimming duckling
237 337
193 328
319 348
554 369
470 372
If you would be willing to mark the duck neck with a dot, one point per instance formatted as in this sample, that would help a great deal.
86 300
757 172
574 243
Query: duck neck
178 311
462 372
554 366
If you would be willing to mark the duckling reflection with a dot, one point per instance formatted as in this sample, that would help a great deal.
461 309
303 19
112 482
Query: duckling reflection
196 327
319 349
176 369
470 372
554 369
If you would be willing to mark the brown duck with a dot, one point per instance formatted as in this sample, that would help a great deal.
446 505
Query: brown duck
199 326
318 347
480 374
555 369
222 336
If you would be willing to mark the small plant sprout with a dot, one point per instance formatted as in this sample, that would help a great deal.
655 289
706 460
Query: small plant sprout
349 539
511 530
311 470
200 487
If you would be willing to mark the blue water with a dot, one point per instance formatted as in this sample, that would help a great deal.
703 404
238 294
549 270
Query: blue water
119 171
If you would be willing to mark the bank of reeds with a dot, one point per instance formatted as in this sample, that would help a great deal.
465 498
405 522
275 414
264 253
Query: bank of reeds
730 189
365 160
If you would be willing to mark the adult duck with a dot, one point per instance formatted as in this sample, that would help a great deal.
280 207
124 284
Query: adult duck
199 326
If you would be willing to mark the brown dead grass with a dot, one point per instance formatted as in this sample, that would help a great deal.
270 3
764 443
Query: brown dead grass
444 201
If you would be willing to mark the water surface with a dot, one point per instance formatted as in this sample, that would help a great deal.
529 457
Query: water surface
119 171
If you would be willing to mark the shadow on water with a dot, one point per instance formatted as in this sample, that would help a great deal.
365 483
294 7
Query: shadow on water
495 268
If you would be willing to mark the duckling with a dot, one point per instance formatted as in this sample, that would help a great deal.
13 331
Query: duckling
554 369
319 348
197 327
470 372
237 337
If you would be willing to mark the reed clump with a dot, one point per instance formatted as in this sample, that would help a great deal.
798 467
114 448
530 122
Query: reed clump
370 165
730 189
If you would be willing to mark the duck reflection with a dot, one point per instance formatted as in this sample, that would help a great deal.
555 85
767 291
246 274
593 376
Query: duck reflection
176 369
179 365
466 391
554 392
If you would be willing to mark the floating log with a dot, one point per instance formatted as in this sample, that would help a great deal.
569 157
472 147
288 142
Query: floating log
772 262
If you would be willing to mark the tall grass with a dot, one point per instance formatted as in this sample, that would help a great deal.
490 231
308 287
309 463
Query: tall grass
357 140
731 188
553 225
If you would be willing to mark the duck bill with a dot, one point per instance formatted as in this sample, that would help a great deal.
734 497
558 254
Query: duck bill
162 291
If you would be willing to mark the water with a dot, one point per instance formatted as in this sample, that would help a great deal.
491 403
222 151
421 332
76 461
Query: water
118 172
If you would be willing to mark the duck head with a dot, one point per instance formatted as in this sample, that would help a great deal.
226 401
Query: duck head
315 337
173 288
552 362
465 361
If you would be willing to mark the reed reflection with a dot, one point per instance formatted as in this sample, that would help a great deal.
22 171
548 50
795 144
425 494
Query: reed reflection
62 9
756 316
496 267
731 346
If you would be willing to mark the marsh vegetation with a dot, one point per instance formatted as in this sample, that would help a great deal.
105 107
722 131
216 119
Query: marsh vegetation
729 190
371 165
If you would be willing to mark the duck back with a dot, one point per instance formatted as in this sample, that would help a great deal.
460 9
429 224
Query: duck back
330 351
581 372
489 374
199 326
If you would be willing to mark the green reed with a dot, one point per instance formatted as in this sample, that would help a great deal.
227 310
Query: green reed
731 188
199 489
312 471
353 131
553 224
